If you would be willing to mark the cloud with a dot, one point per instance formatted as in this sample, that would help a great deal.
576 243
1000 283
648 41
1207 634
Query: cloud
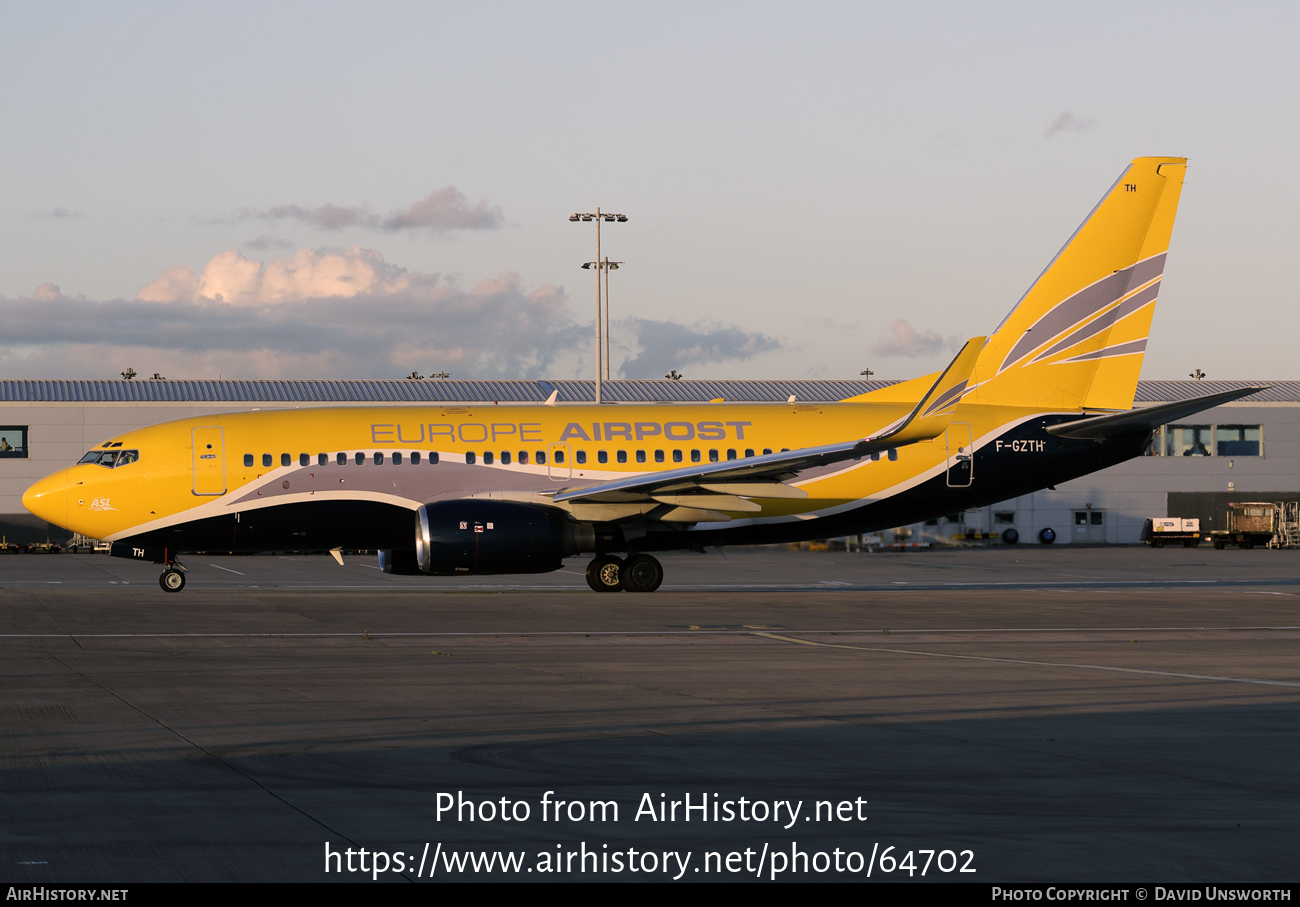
341 313
1068 122
311 273
56 214
668 345
904 340
266 243
442 211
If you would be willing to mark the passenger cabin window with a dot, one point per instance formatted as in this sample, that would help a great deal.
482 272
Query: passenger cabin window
433 458
523 458
379 458
581 457
695 456
731 455
677 456
360 459
470 458
640 456
13 442
284 459
749 451
713 456
266 460
487 457
659 456
505 458
397 458
341 458
558 458
540 458
248 461
415 458
304 459
602 456
766 451
621 456
322 459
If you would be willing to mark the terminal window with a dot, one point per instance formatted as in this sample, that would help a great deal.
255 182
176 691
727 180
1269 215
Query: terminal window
1237 440
13 441
1208 441
1004 517
1188 441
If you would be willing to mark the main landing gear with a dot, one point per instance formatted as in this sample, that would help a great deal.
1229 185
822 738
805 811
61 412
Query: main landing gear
173 578
639 573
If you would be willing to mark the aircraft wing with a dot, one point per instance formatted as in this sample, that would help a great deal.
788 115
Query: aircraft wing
1146 418
724 485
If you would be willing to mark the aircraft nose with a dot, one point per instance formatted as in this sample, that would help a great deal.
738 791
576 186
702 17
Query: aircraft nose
48 498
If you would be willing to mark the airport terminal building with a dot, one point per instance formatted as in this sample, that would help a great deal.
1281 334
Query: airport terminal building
1245 451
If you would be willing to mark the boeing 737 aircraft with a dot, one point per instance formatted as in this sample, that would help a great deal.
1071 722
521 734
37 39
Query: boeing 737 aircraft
470 490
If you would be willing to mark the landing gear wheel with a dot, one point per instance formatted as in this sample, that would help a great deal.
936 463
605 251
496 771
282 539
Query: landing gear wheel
641 573
603 574
172 580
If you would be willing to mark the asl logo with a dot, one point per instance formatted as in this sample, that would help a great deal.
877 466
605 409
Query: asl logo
101 504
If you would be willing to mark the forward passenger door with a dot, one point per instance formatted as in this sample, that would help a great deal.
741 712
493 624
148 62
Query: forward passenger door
209 460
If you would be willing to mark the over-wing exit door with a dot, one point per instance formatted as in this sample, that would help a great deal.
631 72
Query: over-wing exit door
209 460
961 456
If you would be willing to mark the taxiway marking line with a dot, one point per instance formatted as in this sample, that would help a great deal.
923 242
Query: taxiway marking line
490 634
227 569
1041 664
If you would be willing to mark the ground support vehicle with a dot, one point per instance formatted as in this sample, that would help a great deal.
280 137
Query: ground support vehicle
1160 531
1249 524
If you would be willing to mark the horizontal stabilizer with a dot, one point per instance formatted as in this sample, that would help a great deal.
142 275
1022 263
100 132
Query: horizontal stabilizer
1148 417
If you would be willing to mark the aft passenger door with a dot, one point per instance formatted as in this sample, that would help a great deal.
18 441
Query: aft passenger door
209 460
961 455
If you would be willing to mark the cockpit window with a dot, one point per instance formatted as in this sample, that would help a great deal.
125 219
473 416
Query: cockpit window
110 458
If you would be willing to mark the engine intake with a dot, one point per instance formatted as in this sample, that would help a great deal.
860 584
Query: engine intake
484 537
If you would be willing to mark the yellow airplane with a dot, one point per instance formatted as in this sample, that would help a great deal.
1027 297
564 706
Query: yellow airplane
471 490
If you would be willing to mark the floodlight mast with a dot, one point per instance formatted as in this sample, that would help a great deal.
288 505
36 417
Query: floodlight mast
602 313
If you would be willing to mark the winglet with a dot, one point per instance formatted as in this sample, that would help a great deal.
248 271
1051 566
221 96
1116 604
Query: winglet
932 415
550 401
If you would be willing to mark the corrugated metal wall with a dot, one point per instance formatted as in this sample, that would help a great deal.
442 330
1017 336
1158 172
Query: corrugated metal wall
570 391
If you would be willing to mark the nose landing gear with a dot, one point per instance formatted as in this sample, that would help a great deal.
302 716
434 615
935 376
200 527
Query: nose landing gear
173 578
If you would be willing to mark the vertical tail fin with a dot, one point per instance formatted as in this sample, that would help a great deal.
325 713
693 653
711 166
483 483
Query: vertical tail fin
1076 338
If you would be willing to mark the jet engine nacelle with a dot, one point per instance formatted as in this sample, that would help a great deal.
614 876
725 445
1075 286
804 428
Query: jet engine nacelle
483 536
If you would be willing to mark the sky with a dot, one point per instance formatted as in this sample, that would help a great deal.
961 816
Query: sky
327 190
